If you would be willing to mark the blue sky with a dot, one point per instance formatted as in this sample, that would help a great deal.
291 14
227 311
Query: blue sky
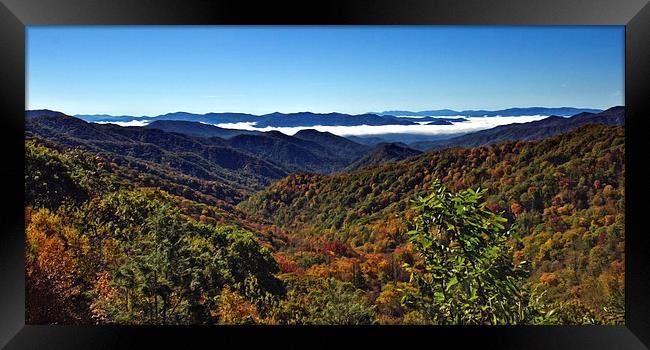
261 69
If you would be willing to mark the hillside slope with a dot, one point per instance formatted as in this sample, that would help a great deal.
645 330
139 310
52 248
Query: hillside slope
192 151
336 145
383 153
565 194
187 159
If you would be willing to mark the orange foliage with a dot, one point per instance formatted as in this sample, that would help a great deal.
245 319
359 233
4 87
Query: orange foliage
51 292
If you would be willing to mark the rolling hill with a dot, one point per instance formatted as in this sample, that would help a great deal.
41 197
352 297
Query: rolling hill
336 144
383 153
308 150
293 154
193 151
187 159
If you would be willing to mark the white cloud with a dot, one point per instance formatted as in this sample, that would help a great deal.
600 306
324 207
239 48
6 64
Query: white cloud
434 116
472 124
129 123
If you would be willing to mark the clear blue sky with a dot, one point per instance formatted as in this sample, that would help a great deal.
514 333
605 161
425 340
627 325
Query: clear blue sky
154 70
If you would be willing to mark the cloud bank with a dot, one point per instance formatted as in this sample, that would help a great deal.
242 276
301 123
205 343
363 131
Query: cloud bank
129 123
472 124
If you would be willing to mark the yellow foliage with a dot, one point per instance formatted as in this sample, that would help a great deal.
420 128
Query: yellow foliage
234 309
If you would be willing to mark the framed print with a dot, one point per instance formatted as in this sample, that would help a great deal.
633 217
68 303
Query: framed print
347 173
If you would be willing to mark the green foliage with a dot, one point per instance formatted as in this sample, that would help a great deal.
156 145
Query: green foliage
467 275
295 308
49 179
172 269
341 303
322 301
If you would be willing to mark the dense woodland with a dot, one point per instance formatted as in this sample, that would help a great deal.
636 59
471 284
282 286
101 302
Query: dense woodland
528 232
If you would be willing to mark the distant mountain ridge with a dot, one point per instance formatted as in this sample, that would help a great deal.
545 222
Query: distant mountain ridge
210 118
328 119
536 130
198 129
509 112
309 119
276 119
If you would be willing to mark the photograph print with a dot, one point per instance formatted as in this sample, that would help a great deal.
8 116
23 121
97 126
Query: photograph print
325 175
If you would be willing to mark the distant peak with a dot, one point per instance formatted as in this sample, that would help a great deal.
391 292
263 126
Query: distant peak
274 133
311 131
274 114
43 112
615 109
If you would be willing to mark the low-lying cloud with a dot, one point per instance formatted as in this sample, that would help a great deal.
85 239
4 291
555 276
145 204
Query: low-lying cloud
129 123
472 124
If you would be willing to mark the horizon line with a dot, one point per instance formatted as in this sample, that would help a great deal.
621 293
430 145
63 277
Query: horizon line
331 112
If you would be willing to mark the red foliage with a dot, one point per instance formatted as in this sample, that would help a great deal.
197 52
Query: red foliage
335 247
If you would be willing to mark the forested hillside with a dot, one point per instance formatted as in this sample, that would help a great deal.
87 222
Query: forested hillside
564 194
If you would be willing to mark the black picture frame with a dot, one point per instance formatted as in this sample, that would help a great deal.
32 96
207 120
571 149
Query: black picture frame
15 15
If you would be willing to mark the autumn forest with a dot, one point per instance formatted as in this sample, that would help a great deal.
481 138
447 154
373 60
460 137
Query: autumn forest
179 223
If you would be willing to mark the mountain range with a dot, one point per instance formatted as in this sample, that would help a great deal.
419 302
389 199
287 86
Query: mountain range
239 161
536 130
268 120
235 162
509 112
309 119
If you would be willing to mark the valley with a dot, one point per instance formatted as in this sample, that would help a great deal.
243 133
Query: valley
294 220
